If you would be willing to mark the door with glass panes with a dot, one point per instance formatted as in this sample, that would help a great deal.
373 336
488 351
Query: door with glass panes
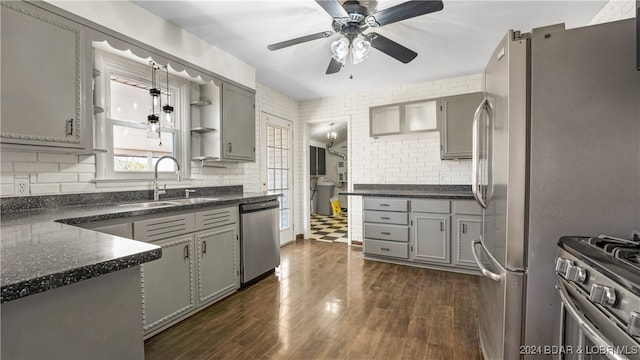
277 172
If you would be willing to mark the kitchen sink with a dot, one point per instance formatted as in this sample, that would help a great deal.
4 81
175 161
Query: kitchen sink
150 204
193 201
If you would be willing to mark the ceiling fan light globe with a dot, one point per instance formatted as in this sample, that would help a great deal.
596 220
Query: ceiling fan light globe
360 50
340 50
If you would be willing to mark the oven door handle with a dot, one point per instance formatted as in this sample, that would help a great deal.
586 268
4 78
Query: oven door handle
585 324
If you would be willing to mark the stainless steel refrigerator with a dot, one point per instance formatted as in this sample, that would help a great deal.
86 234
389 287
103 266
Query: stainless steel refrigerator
556 152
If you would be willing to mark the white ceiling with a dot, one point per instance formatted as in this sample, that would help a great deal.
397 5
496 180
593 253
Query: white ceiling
455 41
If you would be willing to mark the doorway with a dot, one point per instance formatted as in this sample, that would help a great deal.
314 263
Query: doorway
277 173
328 175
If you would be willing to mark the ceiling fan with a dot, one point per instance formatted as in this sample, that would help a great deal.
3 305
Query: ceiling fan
351 19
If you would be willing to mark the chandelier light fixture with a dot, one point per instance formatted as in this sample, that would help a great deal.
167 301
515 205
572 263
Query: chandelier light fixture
331 134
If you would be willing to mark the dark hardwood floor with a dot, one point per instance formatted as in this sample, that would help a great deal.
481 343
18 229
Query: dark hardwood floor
326 302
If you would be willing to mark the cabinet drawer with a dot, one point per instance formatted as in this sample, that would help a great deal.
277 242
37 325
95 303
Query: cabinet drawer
163 227
386 248
386 232
386 204
217 217
467 207
431 206
386 217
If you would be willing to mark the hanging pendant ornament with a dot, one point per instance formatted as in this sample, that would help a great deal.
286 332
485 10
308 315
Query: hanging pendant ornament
351 77
167 109
156 100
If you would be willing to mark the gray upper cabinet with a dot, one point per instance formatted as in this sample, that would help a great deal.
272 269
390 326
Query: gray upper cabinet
456 118
46 80
238 124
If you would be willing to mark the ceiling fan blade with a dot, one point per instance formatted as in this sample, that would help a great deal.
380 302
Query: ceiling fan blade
334 66
333 8
403 11
284 44
391 48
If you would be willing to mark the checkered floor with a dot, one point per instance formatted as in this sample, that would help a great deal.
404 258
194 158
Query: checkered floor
328 228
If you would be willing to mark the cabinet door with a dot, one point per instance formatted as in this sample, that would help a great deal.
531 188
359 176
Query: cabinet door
313 160
45 85
456 114
384 120
322 161
467 228
431 238
168 283
238 124
218 263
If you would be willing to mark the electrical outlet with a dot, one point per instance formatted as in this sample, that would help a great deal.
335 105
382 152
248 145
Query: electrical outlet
442 179
21 186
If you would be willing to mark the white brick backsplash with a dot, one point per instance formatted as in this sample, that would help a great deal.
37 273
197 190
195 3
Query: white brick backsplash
87 159
6 189
78 168
30 167
18 156
77 188
40 189
6 167
58 158
57 177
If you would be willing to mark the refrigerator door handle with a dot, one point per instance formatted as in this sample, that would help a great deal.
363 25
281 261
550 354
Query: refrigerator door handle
491 275
475 154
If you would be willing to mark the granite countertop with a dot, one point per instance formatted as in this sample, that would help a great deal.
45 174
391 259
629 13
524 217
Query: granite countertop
456 192
42 250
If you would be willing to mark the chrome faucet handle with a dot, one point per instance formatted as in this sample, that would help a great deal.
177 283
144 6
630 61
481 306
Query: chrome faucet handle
178 175
164 190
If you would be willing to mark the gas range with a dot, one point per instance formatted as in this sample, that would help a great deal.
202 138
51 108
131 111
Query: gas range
598 279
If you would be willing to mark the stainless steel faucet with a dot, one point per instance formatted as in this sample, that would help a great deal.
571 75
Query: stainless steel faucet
156 190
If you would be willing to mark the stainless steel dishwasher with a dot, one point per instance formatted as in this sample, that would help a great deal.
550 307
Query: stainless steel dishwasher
260 234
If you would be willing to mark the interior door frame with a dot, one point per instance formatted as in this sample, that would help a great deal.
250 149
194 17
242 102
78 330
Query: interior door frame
306 183
291 158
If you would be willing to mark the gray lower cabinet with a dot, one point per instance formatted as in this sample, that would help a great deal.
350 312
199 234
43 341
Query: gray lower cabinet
168 283
386 228
423 232
200 264
47 104
466 229
218 263
431 241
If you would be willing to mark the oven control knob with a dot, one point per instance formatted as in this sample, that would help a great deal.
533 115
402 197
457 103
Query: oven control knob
602 295
562 265
575 274
634 324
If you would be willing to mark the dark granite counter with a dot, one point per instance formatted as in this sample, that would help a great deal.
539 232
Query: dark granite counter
42 250
455 192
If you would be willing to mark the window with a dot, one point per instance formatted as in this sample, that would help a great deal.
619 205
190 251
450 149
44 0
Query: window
129 149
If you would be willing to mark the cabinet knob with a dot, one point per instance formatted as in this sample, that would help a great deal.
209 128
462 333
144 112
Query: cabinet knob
204 247
230 146
441 226
464 228
186 251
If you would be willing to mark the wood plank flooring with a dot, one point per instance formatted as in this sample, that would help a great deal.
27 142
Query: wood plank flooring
326 302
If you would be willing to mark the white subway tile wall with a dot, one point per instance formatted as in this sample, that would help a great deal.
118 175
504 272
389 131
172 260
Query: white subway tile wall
397 159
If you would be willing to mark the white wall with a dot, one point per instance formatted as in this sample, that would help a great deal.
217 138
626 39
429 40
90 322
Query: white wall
615 10
138 23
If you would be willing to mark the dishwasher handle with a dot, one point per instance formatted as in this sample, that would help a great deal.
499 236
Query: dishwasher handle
259 206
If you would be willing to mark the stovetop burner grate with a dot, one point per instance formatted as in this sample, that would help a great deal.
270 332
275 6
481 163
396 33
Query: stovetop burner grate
627 251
